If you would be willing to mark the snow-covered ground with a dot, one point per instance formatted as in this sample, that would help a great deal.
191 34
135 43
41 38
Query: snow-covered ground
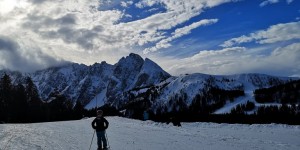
127 134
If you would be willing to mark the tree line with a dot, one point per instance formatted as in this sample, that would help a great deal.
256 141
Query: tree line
285 93
21 103
284 114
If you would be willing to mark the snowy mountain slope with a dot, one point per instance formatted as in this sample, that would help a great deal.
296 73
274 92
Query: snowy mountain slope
124 74
135 79
78 82
98 100
103 82
250 83
185 89
132 72
16 77
127 134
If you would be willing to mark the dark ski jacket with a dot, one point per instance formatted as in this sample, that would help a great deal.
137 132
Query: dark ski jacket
100 124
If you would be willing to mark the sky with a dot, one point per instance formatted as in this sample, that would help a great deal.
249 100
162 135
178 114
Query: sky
219 37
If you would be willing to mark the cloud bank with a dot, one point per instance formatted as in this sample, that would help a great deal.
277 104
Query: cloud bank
90 31
13 57
271 58
36 34
241 60
275 33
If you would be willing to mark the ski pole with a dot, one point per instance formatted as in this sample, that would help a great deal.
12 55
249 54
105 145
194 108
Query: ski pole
92 140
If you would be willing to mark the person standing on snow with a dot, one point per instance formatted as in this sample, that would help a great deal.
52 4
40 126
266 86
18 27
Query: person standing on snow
100 124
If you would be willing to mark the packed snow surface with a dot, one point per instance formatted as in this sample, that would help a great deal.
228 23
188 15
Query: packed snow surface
128 134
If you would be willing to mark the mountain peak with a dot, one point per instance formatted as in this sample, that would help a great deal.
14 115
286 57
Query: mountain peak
134 55
131 59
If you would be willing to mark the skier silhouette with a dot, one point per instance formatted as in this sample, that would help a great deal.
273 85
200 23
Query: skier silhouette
100 124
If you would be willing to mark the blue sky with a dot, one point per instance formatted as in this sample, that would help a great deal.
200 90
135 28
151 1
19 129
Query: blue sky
195 36
235 19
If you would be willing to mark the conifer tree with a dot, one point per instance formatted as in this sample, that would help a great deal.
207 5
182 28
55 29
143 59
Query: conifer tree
33 100
20 104
78 110
5 97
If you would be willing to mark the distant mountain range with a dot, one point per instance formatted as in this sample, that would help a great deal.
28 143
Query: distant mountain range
140 83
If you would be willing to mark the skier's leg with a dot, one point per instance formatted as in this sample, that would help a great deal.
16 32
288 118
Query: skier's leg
103 137
99 136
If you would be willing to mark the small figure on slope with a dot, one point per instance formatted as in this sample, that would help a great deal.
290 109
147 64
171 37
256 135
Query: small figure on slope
100 124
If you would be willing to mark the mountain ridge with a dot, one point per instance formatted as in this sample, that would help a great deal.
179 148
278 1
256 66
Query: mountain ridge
134 79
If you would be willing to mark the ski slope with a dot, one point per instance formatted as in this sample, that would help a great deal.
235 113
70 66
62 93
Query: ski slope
240 100
128 134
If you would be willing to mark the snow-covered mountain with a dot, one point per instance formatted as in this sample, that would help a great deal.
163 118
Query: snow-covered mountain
133 72
201 90
78 82
142 83
102 82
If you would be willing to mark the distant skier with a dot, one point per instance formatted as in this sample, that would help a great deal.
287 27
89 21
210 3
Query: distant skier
100 124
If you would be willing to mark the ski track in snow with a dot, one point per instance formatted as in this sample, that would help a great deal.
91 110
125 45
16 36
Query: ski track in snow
128 134
240 100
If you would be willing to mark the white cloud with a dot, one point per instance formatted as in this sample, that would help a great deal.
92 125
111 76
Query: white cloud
267 2
147 3
15 56
41 33
89 31
236 60
126 3
179 32
275 33
7 6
